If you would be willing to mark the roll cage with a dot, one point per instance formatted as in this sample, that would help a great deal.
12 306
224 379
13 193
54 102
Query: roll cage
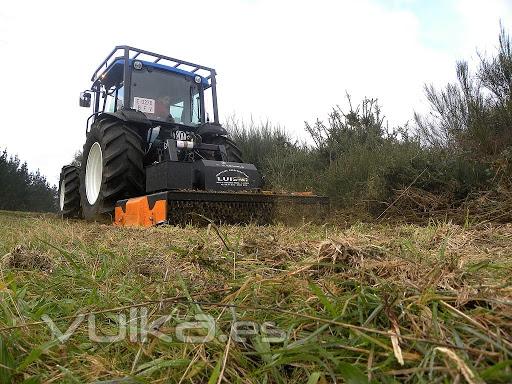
124 56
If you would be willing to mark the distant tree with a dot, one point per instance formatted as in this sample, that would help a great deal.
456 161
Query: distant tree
22 190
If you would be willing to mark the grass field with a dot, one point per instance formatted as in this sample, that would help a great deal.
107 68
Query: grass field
306 304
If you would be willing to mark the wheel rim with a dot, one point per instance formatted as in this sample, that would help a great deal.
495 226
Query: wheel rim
93 173
62 195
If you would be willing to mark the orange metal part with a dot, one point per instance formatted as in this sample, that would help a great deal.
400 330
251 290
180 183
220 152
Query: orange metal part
138 214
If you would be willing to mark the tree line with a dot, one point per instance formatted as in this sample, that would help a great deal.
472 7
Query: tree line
23 190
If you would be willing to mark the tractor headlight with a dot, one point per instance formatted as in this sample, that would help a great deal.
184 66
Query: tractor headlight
197 79
137 64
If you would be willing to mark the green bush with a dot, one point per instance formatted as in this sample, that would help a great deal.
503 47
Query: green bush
355 159
285 163
346 160
461 147
473 115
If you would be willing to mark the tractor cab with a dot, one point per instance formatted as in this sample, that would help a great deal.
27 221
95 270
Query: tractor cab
162 93
167 91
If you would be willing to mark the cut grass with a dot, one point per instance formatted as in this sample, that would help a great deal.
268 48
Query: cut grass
368 303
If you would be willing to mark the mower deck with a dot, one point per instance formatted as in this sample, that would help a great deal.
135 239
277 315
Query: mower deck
183 207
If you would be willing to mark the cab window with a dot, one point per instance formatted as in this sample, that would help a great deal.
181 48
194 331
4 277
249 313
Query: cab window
114 100
177 112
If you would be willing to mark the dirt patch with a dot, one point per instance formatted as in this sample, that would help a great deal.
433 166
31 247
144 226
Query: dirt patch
23 258
152 266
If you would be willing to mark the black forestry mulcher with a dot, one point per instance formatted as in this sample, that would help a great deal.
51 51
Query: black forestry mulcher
152 155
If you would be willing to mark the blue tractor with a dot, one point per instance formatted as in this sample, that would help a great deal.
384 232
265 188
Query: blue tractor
152 155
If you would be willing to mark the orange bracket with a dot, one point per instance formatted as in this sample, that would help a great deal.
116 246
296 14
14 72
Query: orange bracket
137 213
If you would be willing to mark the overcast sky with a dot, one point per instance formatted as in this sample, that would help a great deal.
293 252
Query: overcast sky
286 61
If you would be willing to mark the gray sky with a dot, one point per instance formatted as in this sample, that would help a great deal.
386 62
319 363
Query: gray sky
286 61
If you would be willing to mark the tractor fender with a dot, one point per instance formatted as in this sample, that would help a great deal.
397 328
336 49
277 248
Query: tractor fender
126 115
210 129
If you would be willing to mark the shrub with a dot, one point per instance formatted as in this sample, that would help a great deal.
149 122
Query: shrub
473 115
285 163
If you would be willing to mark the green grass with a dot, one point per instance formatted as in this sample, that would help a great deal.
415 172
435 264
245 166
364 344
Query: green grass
340 294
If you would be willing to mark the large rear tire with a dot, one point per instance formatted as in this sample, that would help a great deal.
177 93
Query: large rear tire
234 153
112 168
69 192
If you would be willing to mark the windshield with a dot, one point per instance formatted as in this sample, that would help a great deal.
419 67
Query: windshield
166 96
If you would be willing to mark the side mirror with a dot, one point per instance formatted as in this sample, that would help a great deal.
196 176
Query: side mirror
85 99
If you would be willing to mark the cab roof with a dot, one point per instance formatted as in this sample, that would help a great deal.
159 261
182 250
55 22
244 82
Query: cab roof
114 72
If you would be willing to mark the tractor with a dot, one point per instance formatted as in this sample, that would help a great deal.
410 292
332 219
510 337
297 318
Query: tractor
152 155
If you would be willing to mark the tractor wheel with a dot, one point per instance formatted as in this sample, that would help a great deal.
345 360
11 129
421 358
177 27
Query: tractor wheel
69 191
234 153
112 168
